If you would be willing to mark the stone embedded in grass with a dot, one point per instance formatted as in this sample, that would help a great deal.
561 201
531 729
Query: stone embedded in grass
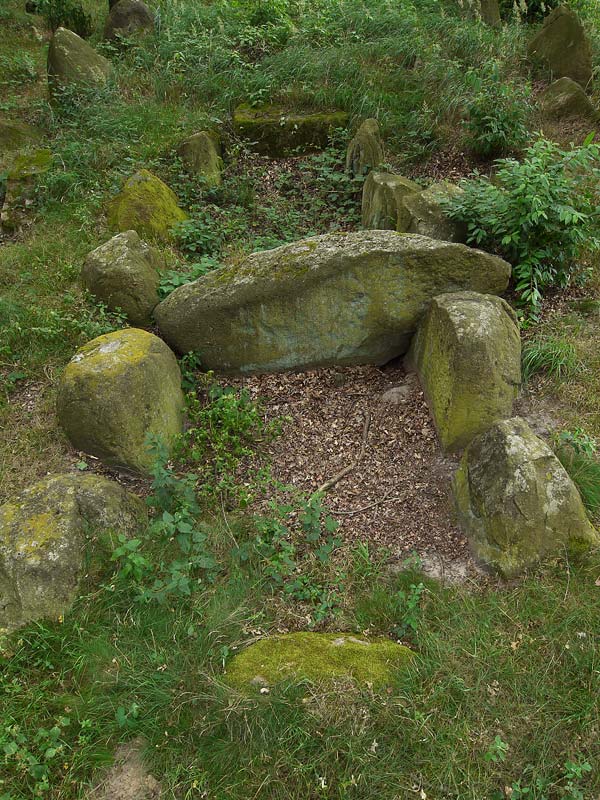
55 534
319 658
74 63
145 205
337 299
516 501
15 135
128 18
365 151
563 47
424 213
123 273
565 98
115 391
467 353
382 198
20 185
275 131
201 156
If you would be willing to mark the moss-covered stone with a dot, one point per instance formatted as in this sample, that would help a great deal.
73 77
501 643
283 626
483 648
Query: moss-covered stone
275 131
128 18
365 151
201 156
115 391
52 536
123 273
318 657
30 165
516 502
20 186
73 63
15 135
424 213
147 206
467 352
563 47
490 12
382 198
565 98
345 298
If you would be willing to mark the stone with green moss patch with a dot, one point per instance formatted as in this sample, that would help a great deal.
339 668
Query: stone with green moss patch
15 135
23 174
116 391
467 353
147 206
517 503
424 213
53 535
201 156
345 298
318 657
365 150
382 206
73 63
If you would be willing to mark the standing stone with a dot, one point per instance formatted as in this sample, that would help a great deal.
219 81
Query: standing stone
467 353
365 151
565 98
116 391
147 206
490 12
382 201
338 299
128 18
424 214
123 273
201 156
20 185
516 501
74 63
562 46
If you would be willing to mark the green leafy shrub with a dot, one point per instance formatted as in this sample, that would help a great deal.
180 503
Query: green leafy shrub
172 279
552 355
65 14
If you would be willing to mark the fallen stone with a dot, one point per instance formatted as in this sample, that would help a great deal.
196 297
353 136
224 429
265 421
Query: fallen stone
563 47
365 151
201 156
20 185
123 273
73 63
517 503
128 778
423 213
467 353
118 390
382 201
565 98
55 535
338 299
128 18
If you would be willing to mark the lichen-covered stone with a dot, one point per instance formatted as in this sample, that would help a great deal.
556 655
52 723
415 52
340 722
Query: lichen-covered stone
344 298
565 98
563 47
274 131
147 206
467 353
382 198
128 18
123 273
201 156
115 391
319 658
424 213
74 63
53 535
365 151
516 502
15 135
20 185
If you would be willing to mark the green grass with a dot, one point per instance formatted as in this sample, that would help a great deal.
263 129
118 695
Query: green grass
553 355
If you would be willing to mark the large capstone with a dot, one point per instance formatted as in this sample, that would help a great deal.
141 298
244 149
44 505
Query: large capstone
425 213
365 151
74 63
123 273
565 98
117 391
128 18
382 201
55 534
467 353
563 47
345 298
516 502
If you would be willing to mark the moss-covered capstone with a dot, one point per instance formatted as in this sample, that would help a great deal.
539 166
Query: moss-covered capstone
467 353
382 198
15 135
317 657
565 98
201 156
424 213
72 62
23 174
53 535
115 391
344 298
275 131
147 206
128 18
365 150
123 273
563 47
516 502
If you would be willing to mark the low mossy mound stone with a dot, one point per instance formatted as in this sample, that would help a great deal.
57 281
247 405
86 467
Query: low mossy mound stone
275 131
147 206
14 136
201 156
382 198
20 185
116 391
562 47
318 657
73 63
565 98
365 151
337 299
123 273
55 534
424 213
516 502
467 353
128 18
